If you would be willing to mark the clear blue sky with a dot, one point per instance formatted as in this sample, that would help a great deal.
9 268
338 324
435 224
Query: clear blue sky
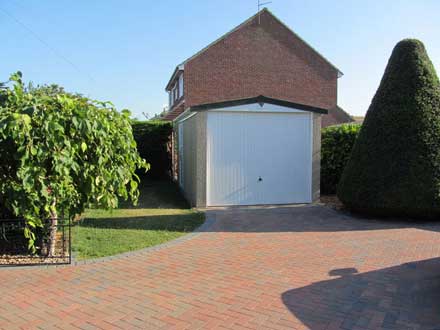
125 51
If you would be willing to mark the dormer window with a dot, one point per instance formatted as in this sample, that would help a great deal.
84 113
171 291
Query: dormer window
172 95
176 91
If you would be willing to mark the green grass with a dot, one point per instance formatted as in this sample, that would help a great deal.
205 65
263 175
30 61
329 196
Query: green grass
160 216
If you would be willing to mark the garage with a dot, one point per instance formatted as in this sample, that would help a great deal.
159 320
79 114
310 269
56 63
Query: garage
253 151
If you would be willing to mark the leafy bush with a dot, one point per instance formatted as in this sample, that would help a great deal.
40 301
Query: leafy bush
62 153
394 168
337 143
153 138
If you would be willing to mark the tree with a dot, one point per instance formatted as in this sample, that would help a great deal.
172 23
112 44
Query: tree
2 93
394 168
62 153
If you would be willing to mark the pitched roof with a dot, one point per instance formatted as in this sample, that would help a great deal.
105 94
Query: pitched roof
261 99
264 10
336 116
175 112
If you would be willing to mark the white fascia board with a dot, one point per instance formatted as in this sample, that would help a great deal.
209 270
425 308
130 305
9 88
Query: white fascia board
184 116
256 107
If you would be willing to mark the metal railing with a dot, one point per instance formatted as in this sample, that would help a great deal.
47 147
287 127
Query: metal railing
14 249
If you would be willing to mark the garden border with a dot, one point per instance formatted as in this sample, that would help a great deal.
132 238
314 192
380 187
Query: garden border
209 221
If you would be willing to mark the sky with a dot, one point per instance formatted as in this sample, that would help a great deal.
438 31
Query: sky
125 51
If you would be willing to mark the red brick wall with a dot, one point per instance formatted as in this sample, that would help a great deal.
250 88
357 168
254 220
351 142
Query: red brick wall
263 59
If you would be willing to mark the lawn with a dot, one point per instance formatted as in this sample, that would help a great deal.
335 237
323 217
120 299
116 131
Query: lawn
160 216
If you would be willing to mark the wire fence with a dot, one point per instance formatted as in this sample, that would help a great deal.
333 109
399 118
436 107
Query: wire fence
14 248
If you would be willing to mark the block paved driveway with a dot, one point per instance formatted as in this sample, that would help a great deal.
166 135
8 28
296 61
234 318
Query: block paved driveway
305 267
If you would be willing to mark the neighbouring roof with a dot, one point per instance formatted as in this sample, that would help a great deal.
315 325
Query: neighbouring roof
336 116
359 119
261 99
182 65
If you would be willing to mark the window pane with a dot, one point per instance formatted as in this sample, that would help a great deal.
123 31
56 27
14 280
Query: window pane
181 85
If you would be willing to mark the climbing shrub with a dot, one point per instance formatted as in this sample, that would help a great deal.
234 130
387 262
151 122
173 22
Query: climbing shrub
337 143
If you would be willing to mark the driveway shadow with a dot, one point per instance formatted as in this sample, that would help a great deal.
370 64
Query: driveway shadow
304 218
402 297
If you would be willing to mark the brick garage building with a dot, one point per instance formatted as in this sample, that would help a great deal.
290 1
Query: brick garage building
264 62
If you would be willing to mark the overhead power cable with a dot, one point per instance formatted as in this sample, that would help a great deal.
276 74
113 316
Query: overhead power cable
46 44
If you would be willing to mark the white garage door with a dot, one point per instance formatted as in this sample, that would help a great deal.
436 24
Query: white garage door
258 158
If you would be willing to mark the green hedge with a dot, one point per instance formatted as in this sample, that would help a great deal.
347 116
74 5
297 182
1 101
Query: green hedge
337 142
152 138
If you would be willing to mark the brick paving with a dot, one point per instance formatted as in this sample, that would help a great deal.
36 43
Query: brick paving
277 268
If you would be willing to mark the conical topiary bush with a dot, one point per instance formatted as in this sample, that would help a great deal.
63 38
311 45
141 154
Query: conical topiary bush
394 168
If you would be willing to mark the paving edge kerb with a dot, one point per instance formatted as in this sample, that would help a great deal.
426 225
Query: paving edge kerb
209 221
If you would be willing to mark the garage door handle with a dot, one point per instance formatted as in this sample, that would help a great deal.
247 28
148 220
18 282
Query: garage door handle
260 179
